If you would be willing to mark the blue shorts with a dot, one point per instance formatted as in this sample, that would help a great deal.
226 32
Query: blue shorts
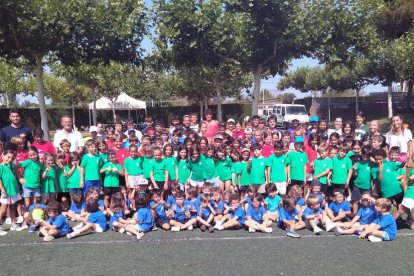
29 192
385 237
75 191
91 183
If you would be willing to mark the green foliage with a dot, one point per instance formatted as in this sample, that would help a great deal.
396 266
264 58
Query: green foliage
11 82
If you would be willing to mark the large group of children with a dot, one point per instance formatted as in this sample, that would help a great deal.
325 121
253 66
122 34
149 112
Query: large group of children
248 175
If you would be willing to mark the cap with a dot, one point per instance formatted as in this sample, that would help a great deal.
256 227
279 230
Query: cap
218 136
93 129
299 139
142 182
245 149
314 119
231 121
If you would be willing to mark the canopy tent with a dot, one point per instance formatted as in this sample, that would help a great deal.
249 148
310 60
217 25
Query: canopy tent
123 102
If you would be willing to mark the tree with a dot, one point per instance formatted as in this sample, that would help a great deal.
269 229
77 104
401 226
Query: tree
40 32
306 79
11 82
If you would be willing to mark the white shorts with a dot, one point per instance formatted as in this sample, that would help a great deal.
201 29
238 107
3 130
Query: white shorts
98 228
133 180
196 183
408 203
215 181
281 187
261 188
10 199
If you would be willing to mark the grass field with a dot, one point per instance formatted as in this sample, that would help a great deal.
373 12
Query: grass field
197 253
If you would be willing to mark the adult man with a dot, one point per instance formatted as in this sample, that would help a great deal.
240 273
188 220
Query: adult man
194 122
131 126
16 128
67 132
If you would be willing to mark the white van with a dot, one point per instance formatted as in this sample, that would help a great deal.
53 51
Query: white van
266 112
285 113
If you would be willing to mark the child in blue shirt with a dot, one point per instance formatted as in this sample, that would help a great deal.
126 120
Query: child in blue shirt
192 202
225 200
159 207
182 217
117 221
256 217
384 227
75 209
233 216
272 202
205 214
289 217
296 192
35 211
246 200
314 215
142 221
315 190
57 225
338 210
95 221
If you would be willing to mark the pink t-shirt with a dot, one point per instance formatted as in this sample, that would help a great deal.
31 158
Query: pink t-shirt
121 155
43 148
238 134
267 150
212 128
312 154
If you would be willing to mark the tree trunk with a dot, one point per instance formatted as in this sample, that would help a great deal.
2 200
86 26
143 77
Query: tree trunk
219 110
41 96
257 75
201 110
357 100
73 114
95 92
205 103
113 112
409 95
389 101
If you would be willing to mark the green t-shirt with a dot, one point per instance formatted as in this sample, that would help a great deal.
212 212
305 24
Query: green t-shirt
364 177
104 157
197 171
158 169
9 180
111 177
62 181
277 166
91 165
257 173
170 165
297 161
409 193
133 166
234 170
244 174
224 169
374 170
340 168
32 173
320 166
183 171
390 185
209 168
73 181
48 185
146 166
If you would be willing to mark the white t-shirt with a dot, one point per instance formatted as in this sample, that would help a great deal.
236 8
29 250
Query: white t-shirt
332 130
74 137
137 133
400 141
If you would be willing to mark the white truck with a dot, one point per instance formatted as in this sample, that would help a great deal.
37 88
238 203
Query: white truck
285 113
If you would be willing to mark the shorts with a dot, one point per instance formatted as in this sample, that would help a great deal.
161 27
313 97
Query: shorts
385 236
281 187
297 182
98 228
10 199
244 188
75 191
182 221
160 185
161 221
91 183
357 193
61 233
29 192
198 184
108 191
133 180
215 181
142 230
272 215
324 188
398 198
408 203
259 188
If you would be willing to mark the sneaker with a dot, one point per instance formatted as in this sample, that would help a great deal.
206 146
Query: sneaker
190 228
175 229
48 238
19 220
251 230
357 232
140 235
79 226
2 232
203 228
8 221
218 224
129 233
338 231
372 238
33 229
292 234
329 226
40 234
24 226
121 230
211 229
16 227
317 230
268 230
220 227
72 235
155 228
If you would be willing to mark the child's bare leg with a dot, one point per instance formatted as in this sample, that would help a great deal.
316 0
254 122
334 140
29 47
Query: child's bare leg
299 225
188 223
231 224
106 201
176 223
118 225
222 186
399 212
227 185
203 222
132 229
166 226
253 224
355 207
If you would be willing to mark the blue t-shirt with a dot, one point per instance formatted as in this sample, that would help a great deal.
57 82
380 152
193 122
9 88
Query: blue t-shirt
367 214
309 212
205 212
387 224
195 204
179 213
99 218
171 200
338 208
61 223
239 212
287 215
247 200
273 204
221 205
100 203
301 202
159 210
145 220
115 217
256 215
76 208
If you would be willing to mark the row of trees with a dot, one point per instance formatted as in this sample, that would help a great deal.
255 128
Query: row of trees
202 49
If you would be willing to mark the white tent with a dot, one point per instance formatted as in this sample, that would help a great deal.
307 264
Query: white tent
123 102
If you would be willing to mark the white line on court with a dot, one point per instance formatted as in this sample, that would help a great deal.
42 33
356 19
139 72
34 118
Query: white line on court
74 242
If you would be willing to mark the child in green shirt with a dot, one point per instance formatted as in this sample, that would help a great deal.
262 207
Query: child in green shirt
183 170
363 178
257 169
223 165
243 176
90 165
341 171
322 166
158 172
112 170
31 176
277 169
72 173
296 165
49 183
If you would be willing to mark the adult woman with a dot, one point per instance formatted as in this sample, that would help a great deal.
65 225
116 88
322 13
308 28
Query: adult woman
361 128
337 127
212 125
348 130
400 137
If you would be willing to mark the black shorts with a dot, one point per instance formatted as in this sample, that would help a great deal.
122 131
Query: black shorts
108 191
357 193
160 185
398 198
297 182
244 188
324 188
161 221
